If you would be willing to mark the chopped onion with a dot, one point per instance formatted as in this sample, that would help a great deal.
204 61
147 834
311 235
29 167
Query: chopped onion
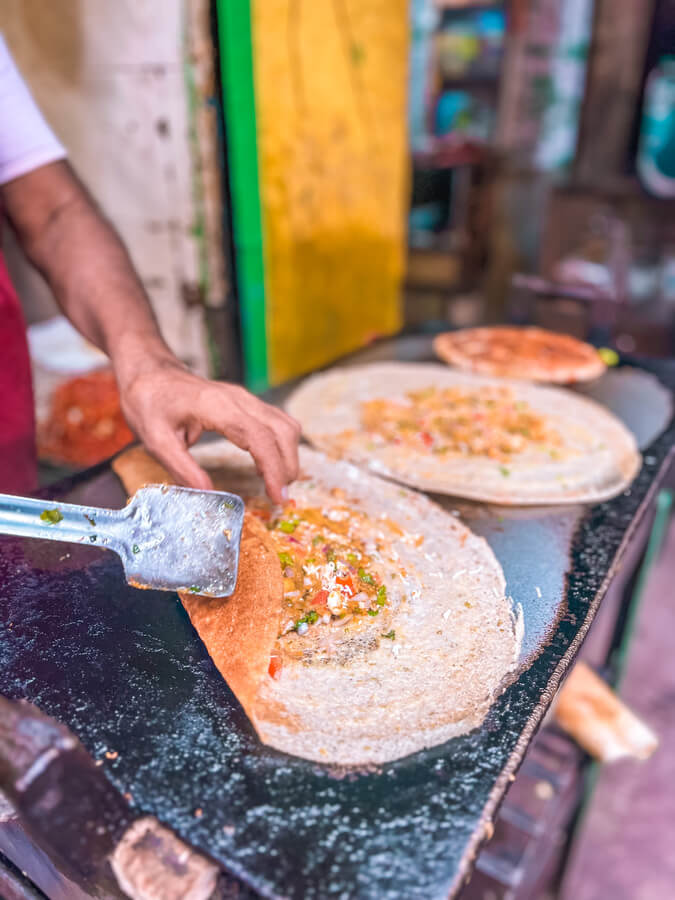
288 572
303 628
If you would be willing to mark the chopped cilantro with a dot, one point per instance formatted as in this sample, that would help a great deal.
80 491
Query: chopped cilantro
373 612
227 503
135 549
390 635
285 559
195 589
505 472
91 520
51 516
317 539
366 577
351 558
288 527
309 618
381 595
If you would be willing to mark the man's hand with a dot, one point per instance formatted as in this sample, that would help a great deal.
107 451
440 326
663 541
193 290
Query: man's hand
168 408
90 273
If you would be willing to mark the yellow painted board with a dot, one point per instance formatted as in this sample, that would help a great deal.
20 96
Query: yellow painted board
330 85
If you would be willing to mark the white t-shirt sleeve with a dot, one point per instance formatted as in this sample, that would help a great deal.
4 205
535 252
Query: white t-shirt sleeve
26 141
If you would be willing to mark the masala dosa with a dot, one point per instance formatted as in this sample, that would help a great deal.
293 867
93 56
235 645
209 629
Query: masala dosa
491 439
414 647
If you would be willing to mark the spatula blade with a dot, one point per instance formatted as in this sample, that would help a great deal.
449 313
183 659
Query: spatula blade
181 539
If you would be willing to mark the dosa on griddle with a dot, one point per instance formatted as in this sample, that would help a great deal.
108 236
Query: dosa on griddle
585 454
533 354
420 669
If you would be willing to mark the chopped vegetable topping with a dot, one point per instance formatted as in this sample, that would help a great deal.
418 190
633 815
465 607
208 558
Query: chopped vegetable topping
91 520
504 471
481 422
321 587
390 635
51 516
275 666
135 549
195 589
366 577
228 503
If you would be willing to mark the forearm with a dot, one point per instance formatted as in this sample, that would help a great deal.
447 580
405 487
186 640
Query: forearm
87 267
92 278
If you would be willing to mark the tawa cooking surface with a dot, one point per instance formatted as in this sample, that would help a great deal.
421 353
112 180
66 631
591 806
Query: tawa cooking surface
126 672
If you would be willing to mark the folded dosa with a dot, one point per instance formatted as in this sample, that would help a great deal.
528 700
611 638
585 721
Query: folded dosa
366 624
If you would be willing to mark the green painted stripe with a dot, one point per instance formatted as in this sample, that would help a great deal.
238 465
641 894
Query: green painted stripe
236 72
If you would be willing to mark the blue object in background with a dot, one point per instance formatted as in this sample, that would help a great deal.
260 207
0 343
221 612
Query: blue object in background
656 150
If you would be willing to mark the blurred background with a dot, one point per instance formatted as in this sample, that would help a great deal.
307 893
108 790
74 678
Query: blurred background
296 179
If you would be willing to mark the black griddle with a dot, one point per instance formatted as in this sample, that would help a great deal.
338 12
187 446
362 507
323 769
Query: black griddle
125 672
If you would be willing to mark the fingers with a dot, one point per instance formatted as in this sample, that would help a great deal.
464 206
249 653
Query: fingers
286 435
269 435
260 442
166 446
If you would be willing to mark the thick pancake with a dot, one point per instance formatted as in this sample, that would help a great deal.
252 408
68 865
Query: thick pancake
357 690
532 354
571 449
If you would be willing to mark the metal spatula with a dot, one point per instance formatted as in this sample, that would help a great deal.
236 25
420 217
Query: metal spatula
169 538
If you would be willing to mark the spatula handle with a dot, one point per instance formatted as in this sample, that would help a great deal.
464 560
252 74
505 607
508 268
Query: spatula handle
28 517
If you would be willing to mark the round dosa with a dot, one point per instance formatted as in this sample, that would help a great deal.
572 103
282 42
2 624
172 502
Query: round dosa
423 672
599 456
533 354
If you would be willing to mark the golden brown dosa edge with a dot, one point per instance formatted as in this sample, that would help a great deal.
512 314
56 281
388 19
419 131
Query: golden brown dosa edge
238 631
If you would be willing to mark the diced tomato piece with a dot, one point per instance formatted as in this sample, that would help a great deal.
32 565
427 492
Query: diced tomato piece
275 666
427 439
346 582
320 598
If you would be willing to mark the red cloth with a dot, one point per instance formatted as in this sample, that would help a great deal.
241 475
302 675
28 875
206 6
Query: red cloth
18 463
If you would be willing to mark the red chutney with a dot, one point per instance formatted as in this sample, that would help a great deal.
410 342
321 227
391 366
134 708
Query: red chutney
85 424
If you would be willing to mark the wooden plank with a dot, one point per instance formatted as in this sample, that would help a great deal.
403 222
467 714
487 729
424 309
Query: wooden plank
613 87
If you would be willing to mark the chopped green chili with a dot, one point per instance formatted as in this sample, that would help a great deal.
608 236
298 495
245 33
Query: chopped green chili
51 516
